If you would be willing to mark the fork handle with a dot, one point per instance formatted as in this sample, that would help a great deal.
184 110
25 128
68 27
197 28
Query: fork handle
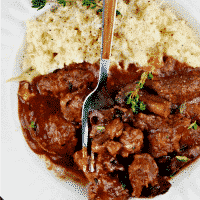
109 12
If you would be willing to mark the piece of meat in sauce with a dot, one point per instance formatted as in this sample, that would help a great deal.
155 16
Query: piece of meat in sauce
164 134
123 93
24 91
166 139
132 141
105 163
55 135
178 88
155 104
64 81
107 187
142 172
101 116
191 109
190 137
103 135
148 122
114 128
71 106
192 152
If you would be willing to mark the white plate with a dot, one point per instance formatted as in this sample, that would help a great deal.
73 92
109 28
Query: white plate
23 175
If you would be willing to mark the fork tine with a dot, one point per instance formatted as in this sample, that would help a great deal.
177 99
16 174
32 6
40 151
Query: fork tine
92 162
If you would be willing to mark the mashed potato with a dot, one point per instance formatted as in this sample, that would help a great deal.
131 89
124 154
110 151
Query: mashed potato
72 34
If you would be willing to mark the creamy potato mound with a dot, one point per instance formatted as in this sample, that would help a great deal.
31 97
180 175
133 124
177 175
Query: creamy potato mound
72 34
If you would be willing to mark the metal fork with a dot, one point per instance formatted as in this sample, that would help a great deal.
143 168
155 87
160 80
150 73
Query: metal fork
99 99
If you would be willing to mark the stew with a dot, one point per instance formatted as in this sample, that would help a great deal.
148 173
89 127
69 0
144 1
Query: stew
135 153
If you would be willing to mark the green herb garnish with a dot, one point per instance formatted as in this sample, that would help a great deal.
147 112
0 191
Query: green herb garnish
182 107
100 10
123 186
182 158
62 2
100 128
38 4
32 125
193 125
133 98
150 76
90 3
118 13
136 105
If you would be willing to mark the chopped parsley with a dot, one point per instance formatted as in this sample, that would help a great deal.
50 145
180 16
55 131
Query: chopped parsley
123 186
33 125
62 2
193 125
100 128
182 107
90 3
118 13
182 158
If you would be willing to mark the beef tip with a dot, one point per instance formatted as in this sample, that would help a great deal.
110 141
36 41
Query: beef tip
177 121
160 188
101 134
192 152
107 187
101 116
132 141
99 137
191 137
122 94
142 171
161 142
192 109
97 130
104 164
176 89
125 114
24 91
55 135
176 164
64 80
169 65
148 122
156 104
114 128
113 147
98 147
166 138
179 126
128 116
107 163
71 106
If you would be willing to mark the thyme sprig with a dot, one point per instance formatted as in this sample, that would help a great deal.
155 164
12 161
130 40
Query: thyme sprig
133 98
